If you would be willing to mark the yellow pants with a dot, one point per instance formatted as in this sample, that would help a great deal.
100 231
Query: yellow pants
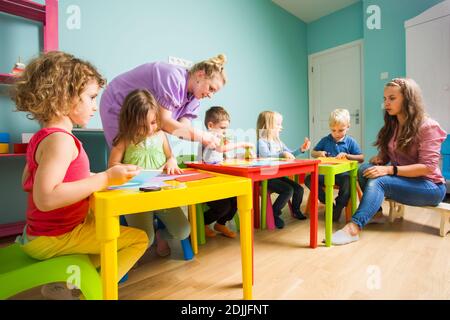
131 245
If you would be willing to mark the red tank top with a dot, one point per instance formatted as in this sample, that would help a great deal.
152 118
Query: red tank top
61 220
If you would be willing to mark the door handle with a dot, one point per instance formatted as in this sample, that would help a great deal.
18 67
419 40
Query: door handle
356 116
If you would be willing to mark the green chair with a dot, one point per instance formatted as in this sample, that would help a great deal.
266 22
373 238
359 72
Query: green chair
181 159
19 272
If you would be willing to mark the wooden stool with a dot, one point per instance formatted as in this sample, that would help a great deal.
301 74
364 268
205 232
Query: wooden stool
397 210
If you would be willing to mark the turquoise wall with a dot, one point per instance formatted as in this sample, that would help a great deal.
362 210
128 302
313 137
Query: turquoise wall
265 46
384 51
335 29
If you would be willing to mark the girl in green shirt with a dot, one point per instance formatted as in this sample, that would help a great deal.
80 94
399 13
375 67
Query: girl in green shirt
141 142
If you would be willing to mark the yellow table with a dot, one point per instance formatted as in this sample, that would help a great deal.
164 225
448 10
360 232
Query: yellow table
330 167
109 205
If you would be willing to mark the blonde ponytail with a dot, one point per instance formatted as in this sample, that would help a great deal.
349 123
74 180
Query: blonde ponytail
213 66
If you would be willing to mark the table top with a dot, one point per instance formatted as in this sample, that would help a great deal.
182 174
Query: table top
178 194
330 165
254 167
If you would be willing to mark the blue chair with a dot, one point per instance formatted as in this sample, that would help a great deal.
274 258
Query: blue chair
445 151
188 254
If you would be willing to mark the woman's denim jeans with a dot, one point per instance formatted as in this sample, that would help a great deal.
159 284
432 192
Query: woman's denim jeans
409 191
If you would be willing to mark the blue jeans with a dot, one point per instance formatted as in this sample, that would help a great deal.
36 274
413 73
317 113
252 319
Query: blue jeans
341 180
409 191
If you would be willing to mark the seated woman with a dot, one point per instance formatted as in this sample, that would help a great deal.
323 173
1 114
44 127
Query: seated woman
406 168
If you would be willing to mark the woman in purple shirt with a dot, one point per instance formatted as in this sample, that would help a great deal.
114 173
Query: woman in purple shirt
177 91
406 168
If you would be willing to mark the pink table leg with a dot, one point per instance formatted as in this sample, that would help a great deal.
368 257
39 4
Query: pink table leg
313 207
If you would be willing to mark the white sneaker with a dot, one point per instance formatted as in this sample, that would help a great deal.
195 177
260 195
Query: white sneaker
341 237
59 291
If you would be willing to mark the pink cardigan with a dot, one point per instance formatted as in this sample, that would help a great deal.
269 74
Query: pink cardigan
426 149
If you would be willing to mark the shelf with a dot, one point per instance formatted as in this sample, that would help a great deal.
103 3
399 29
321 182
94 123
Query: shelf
12 155
46 14
7 78
25 9
10 229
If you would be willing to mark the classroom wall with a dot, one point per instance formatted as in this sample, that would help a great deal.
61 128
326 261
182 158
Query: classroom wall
265 46
335 29
384 51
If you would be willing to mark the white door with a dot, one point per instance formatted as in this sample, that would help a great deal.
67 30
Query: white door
428 59
335 81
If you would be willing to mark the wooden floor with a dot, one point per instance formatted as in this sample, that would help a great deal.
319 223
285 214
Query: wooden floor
404 260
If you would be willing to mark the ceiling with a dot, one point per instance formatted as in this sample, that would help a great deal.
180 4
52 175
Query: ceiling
310 10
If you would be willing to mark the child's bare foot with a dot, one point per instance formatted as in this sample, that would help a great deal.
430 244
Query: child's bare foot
162 246
224 229
59 291
208 232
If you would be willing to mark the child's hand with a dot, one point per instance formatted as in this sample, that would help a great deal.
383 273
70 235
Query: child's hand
288 155
306 145
210 140
341 155
121 173
171 167
322 154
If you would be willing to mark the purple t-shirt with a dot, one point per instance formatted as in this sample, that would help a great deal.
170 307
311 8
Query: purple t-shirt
167 83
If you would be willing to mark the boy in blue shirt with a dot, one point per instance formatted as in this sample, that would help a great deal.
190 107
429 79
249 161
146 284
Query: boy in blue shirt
341 146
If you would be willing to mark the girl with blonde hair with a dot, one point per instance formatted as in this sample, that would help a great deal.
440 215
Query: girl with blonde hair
269 126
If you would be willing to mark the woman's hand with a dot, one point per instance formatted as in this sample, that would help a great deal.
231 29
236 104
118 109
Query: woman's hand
171 167
121 173
376 171
306 145
376 160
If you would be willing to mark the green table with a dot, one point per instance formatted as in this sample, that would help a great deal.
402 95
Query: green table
330 167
